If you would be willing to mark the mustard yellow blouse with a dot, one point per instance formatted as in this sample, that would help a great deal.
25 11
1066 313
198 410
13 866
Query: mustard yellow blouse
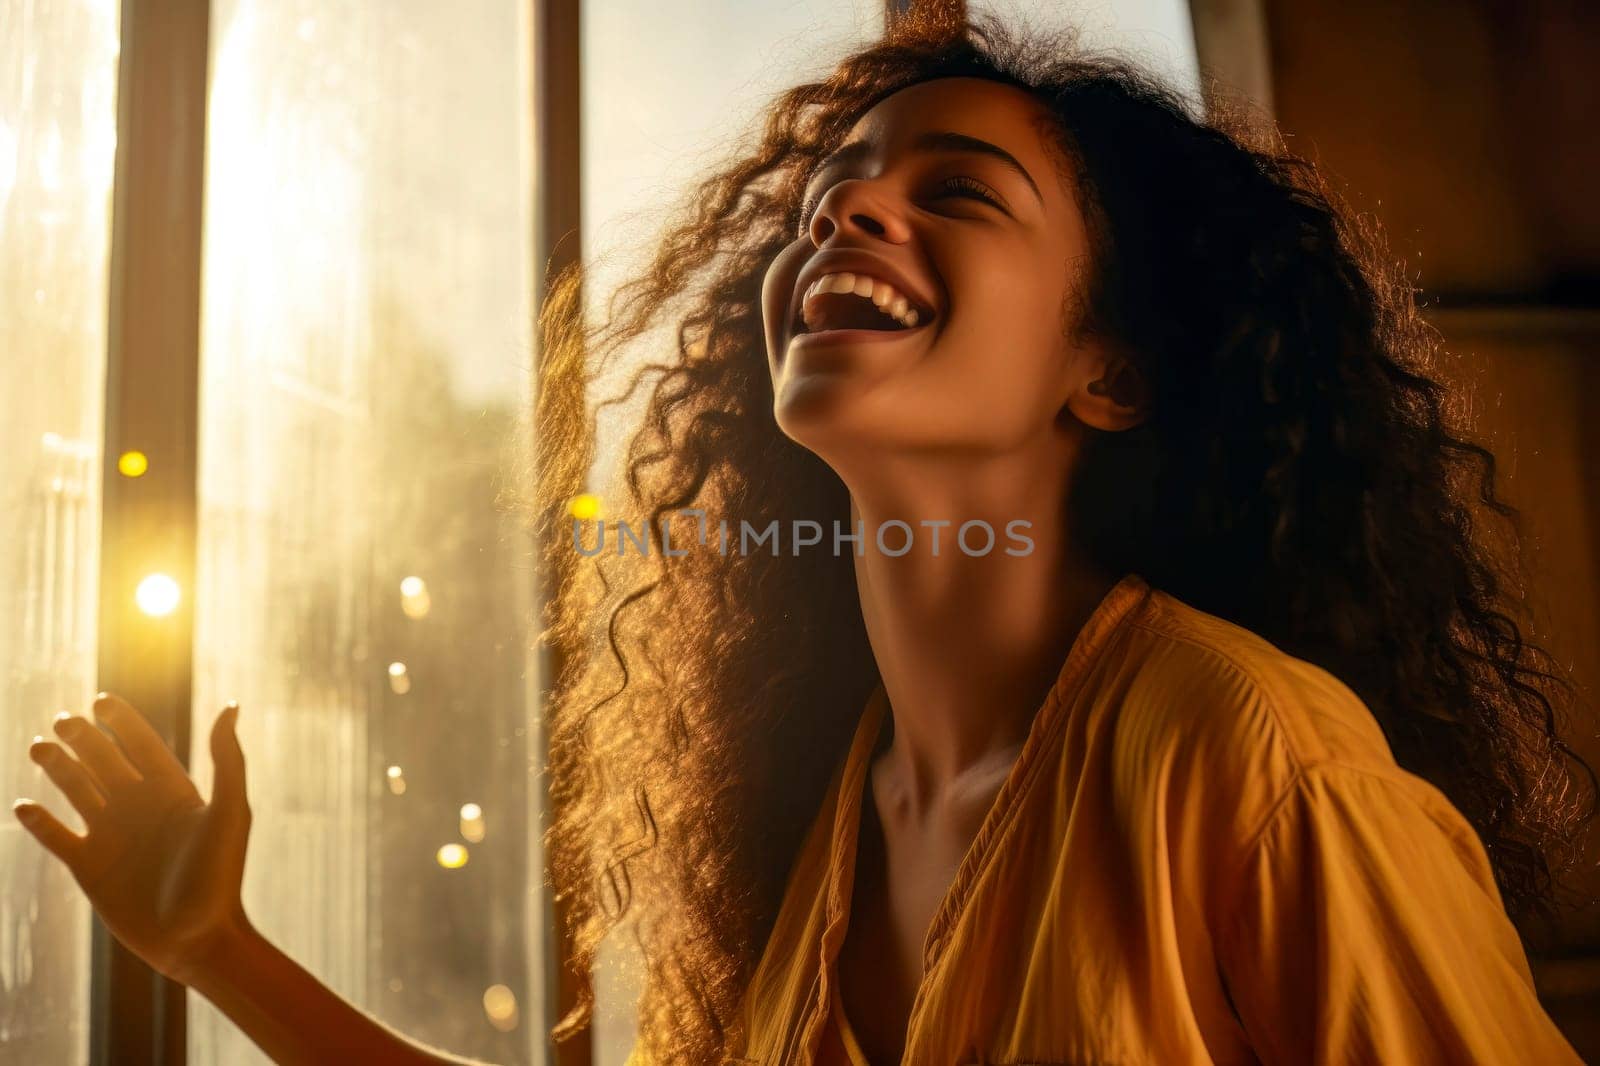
1204 853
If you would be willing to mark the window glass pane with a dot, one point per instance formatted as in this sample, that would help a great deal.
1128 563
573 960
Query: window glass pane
58 68
1155 33
366 375
667 88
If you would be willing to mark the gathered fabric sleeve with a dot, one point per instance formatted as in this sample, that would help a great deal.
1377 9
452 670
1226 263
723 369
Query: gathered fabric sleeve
1365 927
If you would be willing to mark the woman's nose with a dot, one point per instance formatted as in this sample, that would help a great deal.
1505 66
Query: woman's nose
860 219
860 206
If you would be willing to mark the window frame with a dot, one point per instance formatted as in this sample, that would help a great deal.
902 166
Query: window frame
151 397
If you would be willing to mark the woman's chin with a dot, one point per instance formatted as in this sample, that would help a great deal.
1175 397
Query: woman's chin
814 408
826 382
816 403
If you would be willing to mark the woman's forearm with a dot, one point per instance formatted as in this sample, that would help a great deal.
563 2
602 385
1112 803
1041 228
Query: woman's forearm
292 1016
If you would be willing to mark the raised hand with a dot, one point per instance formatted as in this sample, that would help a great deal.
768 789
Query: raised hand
160 865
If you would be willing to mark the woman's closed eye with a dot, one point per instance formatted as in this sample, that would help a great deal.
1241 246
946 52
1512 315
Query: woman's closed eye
956 185
972 188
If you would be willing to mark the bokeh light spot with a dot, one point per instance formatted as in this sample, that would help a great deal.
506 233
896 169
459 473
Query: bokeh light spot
472 827
157 595
132 464
500 1007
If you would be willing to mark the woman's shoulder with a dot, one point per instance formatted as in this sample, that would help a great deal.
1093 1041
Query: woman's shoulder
1219 734
1193 678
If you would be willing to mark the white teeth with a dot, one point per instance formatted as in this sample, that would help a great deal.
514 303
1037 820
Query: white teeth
884 296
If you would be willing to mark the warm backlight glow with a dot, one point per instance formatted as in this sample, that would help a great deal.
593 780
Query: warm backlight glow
397 780
132 464
451 856
413 586
157 595
585 506
399 679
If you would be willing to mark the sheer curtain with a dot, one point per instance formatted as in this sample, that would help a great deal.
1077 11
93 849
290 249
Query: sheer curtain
58 67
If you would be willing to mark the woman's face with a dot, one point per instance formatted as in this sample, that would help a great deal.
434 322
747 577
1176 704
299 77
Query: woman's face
985 243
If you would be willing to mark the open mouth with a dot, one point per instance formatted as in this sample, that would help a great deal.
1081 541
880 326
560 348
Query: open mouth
836 306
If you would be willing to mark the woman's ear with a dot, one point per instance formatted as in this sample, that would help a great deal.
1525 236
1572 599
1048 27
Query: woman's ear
1109 394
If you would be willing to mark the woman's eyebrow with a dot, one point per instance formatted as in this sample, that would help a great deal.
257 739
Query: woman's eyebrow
932 141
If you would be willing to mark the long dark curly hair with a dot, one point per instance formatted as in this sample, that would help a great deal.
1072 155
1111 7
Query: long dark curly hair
1299 474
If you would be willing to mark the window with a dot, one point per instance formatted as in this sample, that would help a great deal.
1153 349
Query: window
367 359
366 363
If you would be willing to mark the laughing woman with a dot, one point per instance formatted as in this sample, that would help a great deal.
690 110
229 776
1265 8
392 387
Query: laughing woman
1149 696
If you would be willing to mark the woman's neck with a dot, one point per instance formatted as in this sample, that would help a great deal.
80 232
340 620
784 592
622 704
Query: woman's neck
968 644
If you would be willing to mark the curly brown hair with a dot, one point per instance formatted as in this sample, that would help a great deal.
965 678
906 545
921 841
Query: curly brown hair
1298 475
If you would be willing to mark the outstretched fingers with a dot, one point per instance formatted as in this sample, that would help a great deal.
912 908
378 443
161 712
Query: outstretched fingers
70 776
57 839
110 767
145 749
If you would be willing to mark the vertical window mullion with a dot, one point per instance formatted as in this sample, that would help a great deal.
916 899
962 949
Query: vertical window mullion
152 372
557 110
